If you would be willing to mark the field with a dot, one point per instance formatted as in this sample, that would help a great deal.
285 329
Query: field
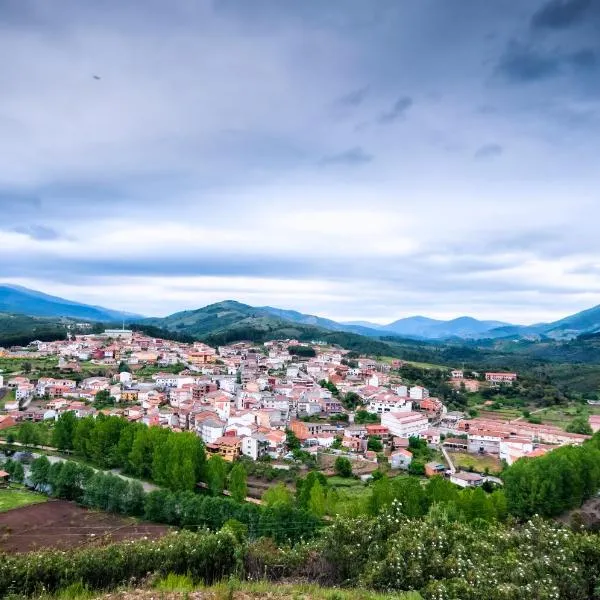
60 524
477 462
16 498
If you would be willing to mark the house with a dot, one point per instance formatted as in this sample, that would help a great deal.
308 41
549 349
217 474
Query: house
433 468
500 378
227 446
457 374
418 392
401 424
254 446
7 421
465 479
4 477
401 459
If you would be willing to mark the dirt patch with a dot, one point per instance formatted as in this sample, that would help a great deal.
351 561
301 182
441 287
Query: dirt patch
63 525
359 466
588 515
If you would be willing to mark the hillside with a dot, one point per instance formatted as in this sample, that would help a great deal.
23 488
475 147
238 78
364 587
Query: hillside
19 330
230 321
21 300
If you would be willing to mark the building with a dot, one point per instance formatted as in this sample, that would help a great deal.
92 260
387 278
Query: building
401 459
594 422
465 479
405 425
485 441
227 446
122 334
433 468
254 446
500 378
4 477
418 392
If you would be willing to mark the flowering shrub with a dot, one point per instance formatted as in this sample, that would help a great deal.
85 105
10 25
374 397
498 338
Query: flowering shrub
446 559
203 556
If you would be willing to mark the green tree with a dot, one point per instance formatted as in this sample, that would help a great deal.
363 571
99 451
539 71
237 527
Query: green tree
374 443
316 502
277 494
40 468
17 472
216 474
28 434
580 425
292 441
343 467
237 483
351 400
64 429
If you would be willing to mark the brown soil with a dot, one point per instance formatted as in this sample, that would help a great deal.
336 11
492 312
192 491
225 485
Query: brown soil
359 467
60 524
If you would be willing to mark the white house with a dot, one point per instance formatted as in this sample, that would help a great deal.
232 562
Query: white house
418 392
485 442
405 424
125 377
211 430
465 479
401 459
389 404
255 446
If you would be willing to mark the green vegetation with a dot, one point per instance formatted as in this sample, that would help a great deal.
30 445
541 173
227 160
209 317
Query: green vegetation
343 467
436 556
11 498
20 330
551 484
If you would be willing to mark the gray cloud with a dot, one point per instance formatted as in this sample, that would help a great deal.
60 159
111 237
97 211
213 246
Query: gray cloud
397 111
39 232
523 63
561 14
352 157
353 98
488 151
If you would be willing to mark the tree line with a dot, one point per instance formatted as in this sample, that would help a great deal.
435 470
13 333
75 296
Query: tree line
80 483
555 482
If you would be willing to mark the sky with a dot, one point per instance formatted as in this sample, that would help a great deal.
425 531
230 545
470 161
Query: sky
349 158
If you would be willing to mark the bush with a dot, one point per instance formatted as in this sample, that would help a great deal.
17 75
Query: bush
200 556
343 467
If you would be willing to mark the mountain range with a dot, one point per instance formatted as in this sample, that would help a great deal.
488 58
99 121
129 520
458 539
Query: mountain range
232 318
22 300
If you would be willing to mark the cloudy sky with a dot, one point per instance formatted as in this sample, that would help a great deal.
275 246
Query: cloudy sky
350 158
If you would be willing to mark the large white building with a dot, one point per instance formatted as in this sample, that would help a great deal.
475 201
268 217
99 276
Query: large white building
390 404
405 424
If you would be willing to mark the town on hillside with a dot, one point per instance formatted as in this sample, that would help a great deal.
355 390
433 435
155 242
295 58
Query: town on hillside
250 400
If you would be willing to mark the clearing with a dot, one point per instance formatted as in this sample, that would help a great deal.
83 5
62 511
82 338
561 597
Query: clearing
478 462
11 498
63 525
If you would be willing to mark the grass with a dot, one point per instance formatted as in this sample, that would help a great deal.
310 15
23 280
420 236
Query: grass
477 462
345 482
175 583
16 498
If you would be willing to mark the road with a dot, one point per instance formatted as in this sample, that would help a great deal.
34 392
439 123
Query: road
531 413
448 459
53 458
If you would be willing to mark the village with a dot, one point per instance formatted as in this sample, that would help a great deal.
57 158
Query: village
247 400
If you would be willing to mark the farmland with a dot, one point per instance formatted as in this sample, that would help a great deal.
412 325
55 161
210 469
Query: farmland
64 525
478 463
16 498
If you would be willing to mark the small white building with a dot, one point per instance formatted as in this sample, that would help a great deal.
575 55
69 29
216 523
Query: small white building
465 479
255 446
401 459
418 392
211 430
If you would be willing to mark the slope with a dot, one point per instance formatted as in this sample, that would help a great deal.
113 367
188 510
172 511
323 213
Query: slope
17 299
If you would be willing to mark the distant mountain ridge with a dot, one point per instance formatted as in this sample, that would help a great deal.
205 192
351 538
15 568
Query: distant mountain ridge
223 317
21 300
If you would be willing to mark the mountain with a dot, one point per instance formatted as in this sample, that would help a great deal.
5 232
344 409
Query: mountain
21 300
425 328
230 321
586 321
303 319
